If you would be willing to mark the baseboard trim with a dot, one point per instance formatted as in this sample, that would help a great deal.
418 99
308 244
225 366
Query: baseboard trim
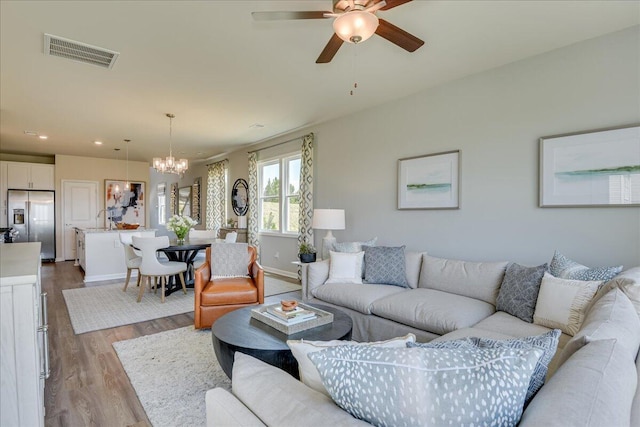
279 272
100 278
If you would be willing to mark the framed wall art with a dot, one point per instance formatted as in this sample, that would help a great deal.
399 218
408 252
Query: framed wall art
431 181
594 168
123 204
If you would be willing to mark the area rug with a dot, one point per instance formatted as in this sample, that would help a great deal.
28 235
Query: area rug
171 372
106 306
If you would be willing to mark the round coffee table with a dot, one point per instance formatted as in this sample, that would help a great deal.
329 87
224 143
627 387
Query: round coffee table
238 331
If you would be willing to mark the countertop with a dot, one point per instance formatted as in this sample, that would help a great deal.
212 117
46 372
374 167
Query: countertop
19 263
114 230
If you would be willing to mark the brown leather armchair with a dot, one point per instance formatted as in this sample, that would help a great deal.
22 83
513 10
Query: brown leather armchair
215 297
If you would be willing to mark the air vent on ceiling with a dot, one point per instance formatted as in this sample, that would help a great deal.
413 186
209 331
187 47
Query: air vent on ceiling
78 51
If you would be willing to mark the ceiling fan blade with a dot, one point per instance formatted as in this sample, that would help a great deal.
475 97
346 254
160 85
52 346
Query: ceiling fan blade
330 49
398 36
376 6
285 15
394 3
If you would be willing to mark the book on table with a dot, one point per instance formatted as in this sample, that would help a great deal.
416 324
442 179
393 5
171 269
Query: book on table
296 315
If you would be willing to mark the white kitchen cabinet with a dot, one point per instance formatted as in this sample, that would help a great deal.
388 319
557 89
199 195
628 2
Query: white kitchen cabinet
23 336
30 176
3 194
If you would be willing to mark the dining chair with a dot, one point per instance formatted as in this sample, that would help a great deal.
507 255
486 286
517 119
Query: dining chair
151 267
231 237
131 258
201 234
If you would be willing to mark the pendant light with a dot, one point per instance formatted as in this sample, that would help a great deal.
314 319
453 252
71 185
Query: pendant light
169 164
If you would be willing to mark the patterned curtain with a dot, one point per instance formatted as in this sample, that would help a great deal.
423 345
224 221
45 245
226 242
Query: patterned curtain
305 233
216 195
252 214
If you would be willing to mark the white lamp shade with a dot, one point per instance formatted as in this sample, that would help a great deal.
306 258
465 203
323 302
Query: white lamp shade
328 219
355 26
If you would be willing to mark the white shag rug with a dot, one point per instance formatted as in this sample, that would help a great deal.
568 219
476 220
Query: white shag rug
171 372
106 306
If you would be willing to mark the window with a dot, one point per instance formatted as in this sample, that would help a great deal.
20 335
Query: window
162 204
279 203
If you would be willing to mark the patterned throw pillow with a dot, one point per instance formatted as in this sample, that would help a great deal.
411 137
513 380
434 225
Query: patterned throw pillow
345 267
385 265
564 268
562 303
309 374
519 290
353 246
229 260
416 386
547 342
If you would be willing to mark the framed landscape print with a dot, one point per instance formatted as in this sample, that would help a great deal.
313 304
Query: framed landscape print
125 204
431 181
595 168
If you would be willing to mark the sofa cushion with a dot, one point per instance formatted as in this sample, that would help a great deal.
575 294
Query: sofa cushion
628 282
565 268
547 342
635 406
351 247
562 303
471 332
612 316
431 310
385 265
353 296
262 388
594 387
428 387
519 290
229 290
224 409
479 280
345 267
309 374
413 264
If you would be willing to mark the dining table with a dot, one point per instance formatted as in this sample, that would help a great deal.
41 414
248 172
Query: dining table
186 252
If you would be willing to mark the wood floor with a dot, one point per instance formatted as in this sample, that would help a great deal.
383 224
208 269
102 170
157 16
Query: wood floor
88 386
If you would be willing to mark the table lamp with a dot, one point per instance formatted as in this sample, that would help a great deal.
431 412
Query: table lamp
328 219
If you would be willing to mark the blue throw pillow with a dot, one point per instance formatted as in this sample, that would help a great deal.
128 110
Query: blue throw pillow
422 387
385 265
565 268
547 342
519 290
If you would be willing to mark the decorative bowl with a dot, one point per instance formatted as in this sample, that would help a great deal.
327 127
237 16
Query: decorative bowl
125 226
288 305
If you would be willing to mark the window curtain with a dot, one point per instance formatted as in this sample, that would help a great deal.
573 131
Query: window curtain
252 214
216 195
305 234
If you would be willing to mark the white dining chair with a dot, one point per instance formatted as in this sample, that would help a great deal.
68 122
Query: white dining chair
204 235
151 267
231 237
131 258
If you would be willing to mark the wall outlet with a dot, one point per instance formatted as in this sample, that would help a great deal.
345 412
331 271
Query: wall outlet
277 255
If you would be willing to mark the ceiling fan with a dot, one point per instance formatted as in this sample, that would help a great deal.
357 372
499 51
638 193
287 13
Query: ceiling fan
355 21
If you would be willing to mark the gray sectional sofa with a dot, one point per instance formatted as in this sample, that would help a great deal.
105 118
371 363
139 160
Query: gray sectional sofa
592 379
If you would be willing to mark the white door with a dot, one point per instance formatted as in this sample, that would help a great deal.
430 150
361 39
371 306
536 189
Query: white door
80 208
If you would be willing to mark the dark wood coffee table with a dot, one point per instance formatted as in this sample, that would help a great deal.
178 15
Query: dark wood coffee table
238 331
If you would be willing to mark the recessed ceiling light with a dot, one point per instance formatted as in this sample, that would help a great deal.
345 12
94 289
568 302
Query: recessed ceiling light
97 142
43 137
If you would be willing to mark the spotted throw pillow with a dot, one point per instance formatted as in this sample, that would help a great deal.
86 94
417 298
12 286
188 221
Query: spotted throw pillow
427 387
519 290
385 265
547 342
565 268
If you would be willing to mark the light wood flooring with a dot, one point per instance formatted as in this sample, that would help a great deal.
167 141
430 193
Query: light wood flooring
88 386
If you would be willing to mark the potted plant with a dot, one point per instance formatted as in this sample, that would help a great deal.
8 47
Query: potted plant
307 253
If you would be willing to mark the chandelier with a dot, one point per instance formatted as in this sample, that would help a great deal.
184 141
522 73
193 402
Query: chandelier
169 164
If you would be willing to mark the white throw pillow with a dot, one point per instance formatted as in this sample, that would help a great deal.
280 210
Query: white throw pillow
345 267
310 376
562 303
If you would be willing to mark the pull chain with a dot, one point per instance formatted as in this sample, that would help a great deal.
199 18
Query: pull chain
354 69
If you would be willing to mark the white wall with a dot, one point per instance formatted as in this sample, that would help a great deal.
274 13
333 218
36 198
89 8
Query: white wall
495 118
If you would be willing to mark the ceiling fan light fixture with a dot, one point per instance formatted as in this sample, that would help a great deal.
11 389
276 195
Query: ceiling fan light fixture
355 26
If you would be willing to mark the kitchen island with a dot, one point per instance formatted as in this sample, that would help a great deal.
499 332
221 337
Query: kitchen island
100 252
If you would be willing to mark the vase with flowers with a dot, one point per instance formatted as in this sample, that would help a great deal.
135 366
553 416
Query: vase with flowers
180 225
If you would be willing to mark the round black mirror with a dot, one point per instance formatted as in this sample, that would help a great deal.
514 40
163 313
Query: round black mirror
240 197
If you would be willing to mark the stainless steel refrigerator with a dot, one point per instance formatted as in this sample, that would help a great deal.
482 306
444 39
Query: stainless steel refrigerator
32 214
